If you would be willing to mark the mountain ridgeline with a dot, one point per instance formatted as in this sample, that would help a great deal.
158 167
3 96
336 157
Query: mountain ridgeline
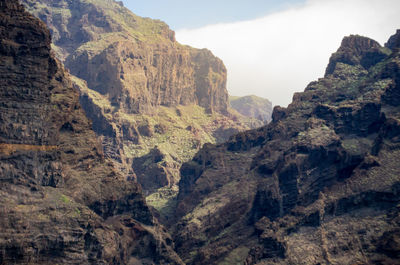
318 184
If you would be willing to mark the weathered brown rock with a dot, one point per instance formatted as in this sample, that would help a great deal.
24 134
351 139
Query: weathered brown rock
394 41
318 185
140 66
61 201
356 50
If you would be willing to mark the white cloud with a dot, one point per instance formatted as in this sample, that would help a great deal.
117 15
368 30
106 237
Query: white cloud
281 53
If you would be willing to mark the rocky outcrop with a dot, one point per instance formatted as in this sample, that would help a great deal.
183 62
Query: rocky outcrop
252 106
61 201
357 50
139 78
394 41
318 185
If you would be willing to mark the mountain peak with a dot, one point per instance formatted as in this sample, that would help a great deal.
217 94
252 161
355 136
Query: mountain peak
394 41
358 44
356 50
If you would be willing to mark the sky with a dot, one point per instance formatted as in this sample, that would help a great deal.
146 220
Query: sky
275 48
180 14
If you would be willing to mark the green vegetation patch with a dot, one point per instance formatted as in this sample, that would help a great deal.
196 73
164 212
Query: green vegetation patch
65 199
163 200
182 134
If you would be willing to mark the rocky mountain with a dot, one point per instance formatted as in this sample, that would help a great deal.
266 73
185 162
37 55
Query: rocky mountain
252 106
135 61
153 101
61 200
320 184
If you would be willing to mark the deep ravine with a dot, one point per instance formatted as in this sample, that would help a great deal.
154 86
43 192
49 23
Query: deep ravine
153 101
139 115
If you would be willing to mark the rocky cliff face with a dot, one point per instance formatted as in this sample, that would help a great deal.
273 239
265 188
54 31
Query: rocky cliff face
144 92
252 106
136 62
318 185
61 201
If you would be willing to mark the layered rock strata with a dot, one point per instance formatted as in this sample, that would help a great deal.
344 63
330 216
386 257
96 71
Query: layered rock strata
135 61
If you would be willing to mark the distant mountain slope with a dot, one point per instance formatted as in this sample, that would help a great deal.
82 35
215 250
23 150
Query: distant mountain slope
320 184
61 201
252 106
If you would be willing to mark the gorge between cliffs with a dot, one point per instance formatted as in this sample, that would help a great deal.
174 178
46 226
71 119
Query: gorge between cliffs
119 145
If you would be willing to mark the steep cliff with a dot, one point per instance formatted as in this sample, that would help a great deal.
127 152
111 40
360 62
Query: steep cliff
135 61
61 201
319 185
252 106
144 92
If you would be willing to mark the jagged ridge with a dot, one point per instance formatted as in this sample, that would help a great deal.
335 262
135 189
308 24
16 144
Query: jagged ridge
318 185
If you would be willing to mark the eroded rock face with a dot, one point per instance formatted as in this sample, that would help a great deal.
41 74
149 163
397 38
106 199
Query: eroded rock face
318 185
136 62
139 78
61 201
357 50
